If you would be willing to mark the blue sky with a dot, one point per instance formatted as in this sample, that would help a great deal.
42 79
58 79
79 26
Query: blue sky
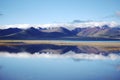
50 11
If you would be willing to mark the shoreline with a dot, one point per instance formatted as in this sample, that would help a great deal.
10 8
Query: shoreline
60 42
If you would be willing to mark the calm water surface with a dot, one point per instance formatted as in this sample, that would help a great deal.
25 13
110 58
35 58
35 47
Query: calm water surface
55 62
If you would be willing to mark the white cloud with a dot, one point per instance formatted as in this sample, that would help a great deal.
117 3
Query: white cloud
71 55
66 25
15 26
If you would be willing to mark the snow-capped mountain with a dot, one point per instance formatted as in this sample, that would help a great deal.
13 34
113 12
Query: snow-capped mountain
86 30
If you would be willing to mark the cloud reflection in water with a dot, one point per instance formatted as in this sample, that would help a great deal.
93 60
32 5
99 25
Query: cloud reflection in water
70 54
60 51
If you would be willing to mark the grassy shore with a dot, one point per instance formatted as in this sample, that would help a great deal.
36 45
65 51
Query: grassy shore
59 42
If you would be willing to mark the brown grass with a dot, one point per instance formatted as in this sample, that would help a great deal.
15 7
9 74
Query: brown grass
58 42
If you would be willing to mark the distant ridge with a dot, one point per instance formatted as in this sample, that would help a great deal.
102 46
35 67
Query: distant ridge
101 31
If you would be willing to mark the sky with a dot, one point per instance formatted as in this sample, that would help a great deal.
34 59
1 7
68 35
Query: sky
57 11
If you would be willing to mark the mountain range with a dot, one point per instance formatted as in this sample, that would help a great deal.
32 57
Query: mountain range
104 32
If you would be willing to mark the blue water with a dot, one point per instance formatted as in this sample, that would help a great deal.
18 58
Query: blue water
54 62
58 69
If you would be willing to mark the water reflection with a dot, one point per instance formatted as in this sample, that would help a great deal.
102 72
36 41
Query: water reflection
59 62
48 50
59 49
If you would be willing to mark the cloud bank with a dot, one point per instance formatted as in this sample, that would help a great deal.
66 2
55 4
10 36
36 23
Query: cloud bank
66 25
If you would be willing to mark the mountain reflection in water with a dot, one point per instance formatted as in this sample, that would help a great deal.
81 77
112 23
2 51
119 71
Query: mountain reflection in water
60 50
59 62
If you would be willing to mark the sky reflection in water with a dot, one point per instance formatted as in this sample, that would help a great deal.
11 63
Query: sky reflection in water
53 62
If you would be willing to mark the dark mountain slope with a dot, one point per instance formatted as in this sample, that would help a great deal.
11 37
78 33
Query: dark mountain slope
88 33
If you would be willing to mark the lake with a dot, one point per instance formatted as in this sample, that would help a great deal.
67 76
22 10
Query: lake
59 62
